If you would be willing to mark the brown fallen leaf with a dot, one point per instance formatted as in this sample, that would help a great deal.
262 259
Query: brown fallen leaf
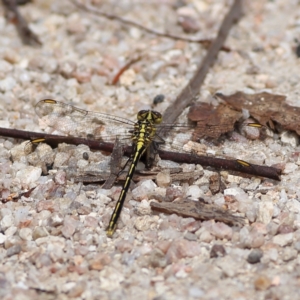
267 109
212 121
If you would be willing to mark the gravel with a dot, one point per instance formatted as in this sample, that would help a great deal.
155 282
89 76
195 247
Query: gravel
53 243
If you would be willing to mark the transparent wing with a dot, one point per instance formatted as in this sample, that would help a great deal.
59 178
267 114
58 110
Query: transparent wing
179 135
77 122
197 131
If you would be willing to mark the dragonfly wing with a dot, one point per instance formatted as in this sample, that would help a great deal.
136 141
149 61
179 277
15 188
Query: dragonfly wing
185 138
74 121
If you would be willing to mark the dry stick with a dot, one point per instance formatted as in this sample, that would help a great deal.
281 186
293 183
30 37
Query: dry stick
13 14
188 94
219 163
98 12
198 210
123 69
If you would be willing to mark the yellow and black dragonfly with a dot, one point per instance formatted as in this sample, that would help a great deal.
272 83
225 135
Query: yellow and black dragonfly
103 127
142 135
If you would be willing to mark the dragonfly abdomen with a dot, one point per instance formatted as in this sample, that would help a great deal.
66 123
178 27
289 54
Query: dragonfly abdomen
144 131
140 149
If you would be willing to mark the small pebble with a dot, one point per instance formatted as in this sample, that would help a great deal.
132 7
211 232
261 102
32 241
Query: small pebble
297 246
163 179
221 230
289 168
25 234
229 265
2 238
6 222
66 68
172 193
143 223
194 192
39 232
283 239
188 19
190 236
99 261
254 256
251 133
128 77
285 228
192 226
289 254
69 226
157 259
43 260
290 138
144 208
16 249
56 219
29 174
60 177
124 246
272 254
7 84
77 290
265 212
90 221
182 248
84 210
217 250
262 283
206 237
141 192
196 293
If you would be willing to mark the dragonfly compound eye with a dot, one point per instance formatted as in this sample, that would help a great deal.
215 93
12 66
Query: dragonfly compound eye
142 115
157 117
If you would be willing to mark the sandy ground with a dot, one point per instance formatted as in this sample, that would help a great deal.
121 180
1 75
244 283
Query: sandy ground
53 243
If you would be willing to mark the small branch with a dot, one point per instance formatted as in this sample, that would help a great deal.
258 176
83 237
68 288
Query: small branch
92 9
124 68
13 14
198 211
218 163
189 93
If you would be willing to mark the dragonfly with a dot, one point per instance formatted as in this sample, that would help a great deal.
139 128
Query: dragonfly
143 135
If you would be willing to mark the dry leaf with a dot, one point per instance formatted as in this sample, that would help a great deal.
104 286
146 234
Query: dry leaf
212 121
267 109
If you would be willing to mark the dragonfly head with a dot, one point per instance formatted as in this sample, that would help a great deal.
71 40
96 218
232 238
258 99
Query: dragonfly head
150 115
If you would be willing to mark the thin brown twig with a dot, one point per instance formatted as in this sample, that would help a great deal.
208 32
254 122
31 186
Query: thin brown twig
198 210
124 68
92 9
189 93
13 14
219 163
